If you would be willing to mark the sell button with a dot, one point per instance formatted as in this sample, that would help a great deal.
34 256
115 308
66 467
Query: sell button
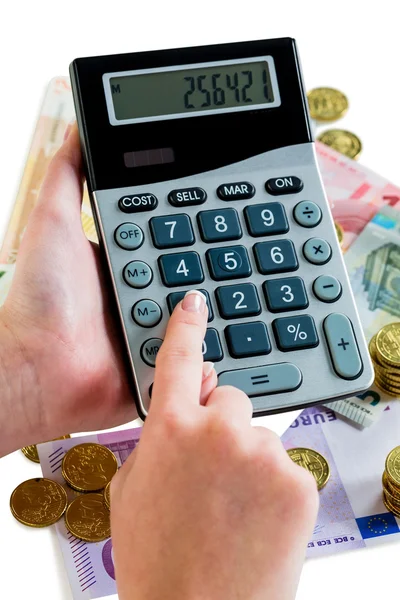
187 196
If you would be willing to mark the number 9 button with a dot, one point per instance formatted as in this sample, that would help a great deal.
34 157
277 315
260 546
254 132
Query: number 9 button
266 219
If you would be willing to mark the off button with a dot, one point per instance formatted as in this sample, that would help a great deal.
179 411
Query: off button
129 236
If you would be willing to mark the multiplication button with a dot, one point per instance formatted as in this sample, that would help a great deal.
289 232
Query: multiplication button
129 236
307 214
137 274
146 313
317 251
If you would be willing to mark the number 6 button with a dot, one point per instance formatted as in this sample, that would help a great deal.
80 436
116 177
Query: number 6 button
276 256
180 269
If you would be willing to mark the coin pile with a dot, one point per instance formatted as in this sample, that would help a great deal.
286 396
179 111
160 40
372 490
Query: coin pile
87 470
326 106
314 462
384 349
391 482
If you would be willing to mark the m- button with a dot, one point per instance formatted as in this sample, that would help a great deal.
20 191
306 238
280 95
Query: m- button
284 185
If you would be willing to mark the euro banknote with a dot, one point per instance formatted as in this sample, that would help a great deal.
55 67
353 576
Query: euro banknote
90 567
351 514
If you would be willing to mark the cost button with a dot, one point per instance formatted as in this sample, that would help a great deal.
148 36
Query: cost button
137 203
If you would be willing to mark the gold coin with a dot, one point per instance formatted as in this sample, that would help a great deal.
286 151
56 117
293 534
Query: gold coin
391 487
386 374
385 387
389 505
314 462
327 104
88 519
339 232
342 141
107 495
388 344
89 467
392 466
32 453
38 502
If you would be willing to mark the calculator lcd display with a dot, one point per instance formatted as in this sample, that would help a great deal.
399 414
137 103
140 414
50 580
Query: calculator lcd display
177 92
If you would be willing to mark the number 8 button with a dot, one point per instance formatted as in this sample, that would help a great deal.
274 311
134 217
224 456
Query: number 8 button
219 225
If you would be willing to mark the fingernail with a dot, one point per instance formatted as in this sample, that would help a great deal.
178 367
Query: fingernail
207 368
194 301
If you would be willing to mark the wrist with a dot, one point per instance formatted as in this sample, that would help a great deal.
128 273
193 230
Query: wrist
21 419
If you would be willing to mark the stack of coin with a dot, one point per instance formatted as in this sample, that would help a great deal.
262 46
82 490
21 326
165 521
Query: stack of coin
384 349
87 470
314 462
326 106
391 482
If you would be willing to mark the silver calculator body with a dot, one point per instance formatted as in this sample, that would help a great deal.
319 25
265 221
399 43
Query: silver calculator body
202 173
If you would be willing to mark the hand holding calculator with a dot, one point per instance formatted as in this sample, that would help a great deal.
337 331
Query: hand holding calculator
202 174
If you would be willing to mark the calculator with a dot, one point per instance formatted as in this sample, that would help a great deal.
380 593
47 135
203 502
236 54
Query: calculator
202 174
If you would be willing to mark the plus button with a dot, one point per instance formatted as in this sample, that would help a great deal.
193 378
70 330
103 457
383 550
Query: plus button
343 344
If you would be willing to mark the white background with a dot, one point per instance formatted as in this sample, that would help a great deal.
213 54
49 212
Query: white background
351 45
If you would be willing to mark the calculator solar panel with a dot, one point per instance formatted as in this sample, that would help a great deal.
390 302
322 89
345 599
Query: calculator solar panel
202 174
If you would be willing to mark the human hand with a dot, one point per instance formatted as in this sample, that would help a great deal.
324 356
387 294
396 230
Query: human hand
207 507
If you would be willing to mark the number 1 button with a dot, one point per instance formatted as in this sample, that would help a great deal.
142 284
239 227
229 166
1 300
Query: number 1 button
180 269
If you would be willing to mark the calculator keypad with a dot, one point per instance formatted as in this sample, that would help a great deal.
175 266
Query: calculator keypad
266 219
265 255
219 225
278 256
230 262
181 269
237 301
171 231
288 293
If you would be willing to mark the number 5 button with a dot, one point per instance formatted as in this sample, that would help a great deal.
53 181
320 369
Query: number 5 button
180 269
285 294
231 262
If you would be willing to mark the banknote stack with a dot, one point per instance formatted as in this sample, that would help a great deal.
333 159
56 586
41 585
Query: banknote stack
87 469
391 482
384 349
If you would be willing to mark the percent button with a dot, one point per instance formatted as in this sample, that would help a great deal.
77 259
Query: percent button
295 333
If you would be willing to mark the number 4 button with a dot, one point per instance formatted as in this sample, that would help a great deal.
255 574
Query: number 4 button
183 268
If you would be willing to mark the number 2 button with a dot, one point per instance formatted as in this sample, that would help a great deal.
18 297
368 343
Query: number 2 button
179 269
171 231
219 225
277 256
236 301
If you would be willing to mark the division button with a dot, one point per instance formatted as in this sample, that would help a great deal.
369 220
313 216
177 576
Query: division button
317 251
187 196
327 288
260 381
307 214
137 274
175 297
247 339
284 185
149 351
239 190
212 349
137 203
342 346
129 236
295 333
146 313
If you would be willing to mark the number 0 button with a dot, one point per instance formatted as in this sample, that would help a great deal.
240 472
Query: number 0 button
219 225
180 269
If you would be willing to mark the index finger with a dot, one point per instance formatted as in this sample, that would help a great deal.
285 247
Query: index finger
179 363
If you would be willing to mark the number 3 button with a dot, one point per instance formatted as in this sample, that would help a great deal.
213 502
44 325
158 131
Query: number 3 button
180 269
285 294
231 262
